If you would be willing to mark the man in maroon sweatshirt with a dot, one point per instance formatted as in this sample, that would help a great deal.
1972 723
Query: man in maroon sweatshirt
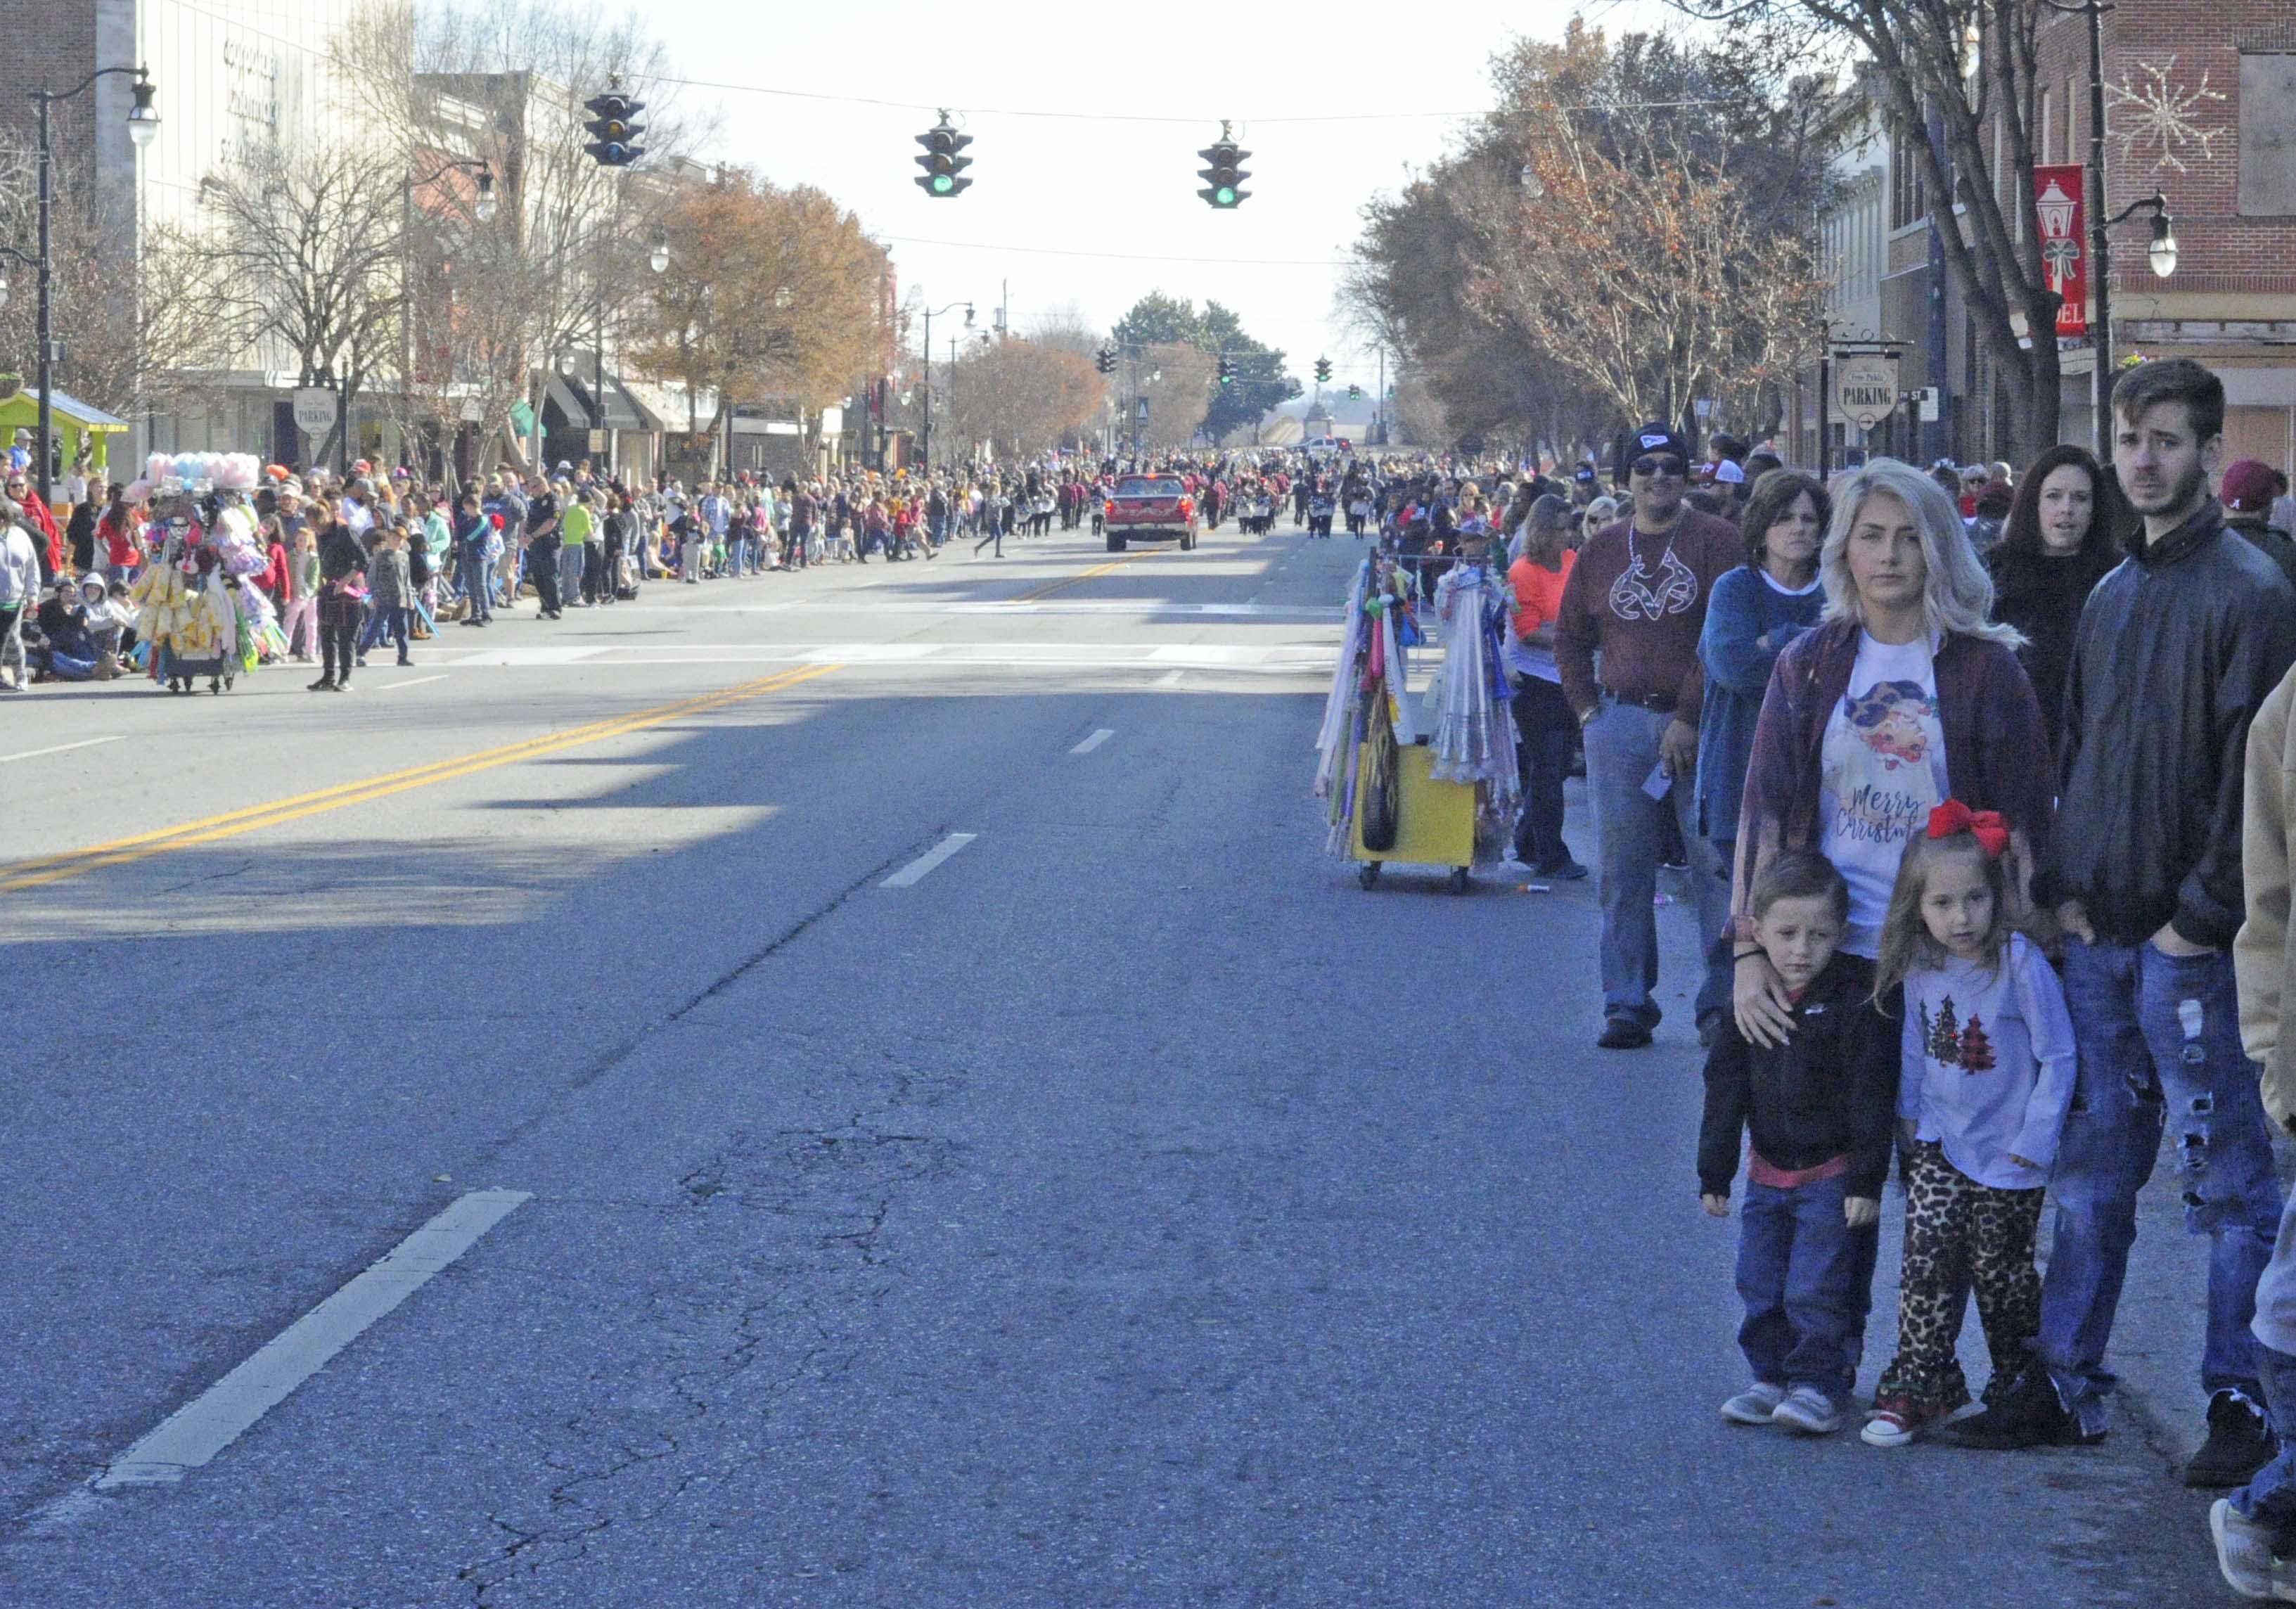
1637 598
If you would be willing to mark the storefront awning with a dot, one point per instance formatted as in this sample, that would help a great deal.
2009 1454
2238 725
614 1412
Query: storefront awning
570 396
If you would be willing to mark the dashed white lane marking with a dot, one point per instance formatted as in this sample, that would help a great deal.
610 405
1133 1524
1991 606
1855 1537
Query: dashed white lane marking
84 743
213 1420
415 682
1094 741
917 870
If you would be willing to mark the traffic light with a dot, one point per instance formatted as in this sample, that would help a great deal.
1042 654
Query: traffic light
1223 178
613 121
943 167
1323 370
1354 393
1104 361
1226 370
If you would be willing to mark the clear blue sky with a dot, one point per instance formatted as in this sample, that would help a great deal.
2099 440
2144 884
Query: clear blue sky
1045 186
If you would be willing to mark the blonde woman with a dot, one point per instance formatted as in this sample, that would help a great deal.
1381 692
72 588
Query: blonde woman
1904 681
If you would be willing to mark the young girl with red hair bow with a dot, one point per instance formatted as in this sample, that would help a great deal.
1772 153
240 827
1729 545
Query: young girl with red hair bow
1988 1060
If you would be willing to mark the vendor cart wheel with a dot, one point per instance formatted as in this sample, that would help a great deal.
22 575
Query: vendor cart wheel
1367 874
215 685
1459 880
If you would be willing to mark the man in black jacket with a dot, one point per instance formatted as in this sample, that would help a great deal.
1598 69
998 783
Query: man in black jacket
2175 649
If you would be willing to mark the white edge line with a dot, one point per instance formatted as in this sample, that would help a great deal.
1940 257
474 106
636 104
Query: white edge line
84 743
915 872
1094 741
412 682
213 1420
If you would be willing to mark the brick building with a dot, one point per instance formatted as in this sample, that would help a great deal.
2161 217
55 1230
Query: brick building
2202 110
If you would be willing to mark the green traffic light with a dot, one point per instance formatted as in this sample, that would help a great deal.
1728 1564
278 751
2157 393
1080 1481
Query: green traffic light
1225 196
942 184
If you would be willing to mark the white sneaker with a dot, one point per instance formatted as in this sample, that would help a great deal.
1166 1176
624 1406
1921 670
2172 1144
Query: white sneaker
1755 1404
2243 1549
1808 1411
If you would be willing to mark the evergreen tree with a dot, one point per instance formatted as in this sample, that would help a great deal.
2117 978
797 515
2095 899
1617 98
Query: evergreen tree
1945 1034
1976 1047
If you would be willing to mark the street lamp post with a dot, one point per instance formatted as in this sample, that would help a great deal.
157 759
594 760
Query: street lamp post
2162 253
143 128
926 429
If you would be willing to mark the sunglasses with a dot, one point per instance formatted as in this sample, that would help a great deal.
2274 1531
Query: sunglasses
1671 469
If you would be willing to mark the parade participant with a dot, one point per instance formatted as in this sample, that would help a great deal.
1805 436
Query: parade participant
1818 1109
1638 595
2175 650
1988 1059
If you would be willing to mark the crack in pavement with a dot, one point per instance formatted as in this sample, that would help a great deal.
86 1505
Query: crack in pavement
797 1314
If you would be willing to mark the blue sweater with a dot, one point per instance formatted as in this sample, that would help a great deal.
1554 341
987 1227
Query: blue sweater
1748 622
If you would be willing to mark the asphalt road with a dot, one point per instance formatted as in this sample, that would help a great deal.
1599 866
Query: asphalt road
1126 1210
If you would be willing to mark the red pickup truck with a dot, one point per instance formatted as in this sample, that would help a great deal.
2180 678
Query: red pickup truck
1150 508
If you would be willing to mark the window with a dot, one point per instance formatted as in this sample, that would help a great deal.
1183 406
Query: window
2267 135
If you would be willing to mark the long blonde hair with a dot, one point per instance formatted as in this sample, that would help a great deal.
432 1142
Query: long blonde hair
1957 593
1904 940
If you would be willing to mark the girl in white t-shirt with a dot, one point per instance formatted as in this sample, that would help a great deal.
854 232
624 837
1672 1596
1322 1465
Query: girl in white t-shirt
1988 1060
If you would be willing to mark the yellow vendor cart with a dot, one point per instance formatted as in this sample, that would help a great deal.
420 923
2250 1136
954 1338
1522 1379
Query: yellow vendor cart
1435 820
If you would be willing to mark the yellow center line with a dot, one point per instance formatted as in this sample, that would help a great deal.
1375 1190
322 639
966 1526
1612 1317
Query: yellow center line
212 829
1050 587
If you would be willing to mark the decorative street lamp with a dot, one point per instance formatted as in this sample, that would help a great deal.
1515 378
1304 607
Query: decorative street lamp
660 262
143 128
2162 252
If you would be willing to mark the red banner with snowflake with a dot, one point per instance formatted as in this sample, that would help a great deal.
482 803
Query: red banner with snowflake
2060 208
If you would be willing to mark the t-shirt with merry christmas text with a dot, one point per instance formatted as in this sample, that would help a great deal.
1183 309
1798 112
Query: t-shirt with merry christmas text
1988 1065
1882 769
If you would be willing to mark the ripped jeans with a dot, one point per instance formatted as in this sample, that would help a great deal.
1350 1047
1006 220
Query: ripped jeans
2159 1043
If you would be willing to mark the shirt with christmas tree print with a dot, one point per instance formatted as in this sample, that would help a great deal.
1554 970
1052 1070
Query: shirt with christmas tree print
1988 1065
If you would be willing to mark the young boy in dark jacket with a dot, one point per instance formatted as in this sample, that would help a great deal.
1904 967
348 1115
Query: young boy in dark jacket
1820 1111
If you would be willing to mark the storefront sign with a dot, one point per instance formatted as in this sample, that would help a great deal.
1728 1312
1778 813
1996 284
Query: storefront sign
2060 210
1866 388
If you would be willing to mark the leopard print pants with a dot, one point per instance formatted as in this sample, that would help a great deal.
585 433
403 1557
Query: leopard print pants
1961 1235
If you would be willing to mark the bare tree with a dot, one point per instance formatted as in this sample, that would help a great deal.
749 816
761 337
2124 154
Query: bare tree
1957 78
582 232
134 327
308 240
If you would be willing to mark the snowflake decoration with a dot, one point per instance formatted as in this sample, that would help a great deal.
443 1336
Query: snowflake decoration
2157 115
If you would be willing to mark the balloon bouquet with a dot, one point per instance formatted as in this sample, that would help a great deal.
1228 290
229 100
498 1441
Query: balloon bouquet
198 610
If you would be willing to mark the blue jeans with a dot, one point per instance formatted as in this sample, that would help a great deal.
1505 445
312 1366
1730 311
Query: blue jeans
2158 1037
2271 1497
1622 744
1807 1278
472 574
